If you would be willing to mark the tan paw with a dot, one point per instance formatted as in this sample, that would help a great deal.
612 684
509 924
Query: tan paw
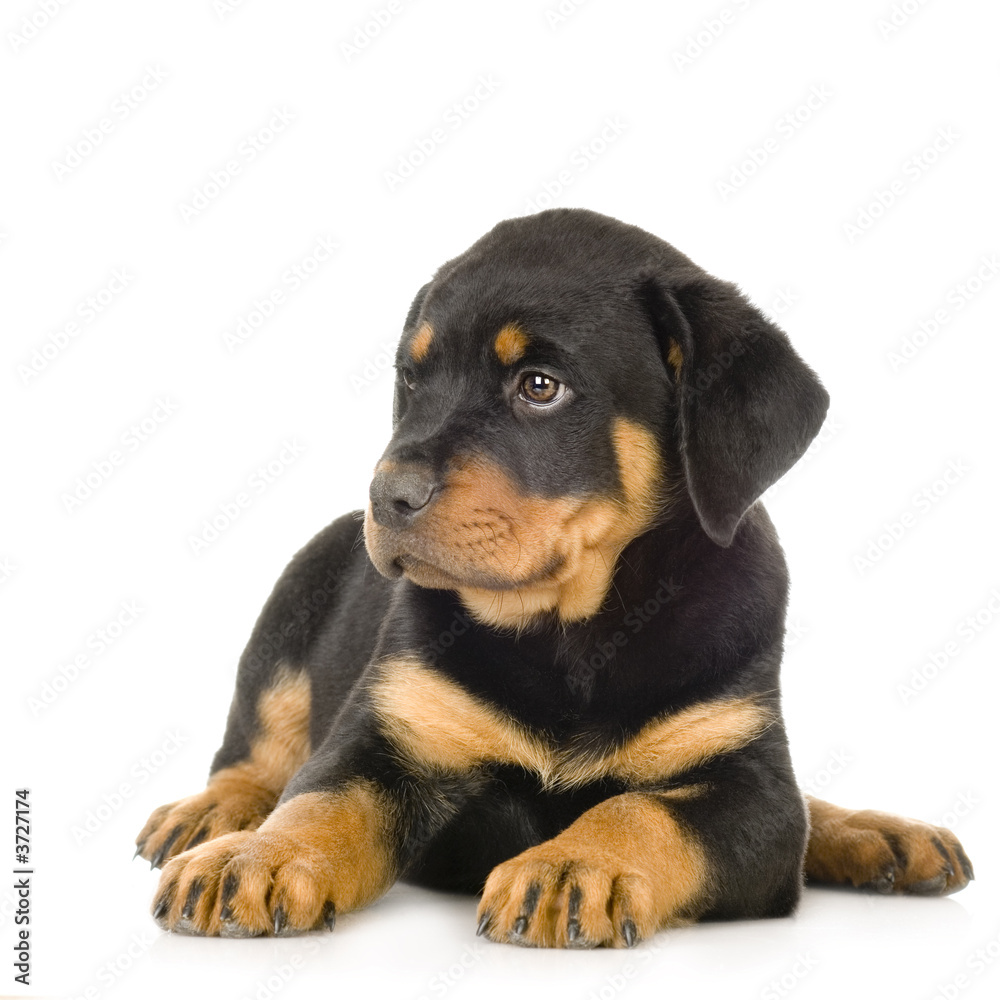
542 899
887 853
226 806
246 884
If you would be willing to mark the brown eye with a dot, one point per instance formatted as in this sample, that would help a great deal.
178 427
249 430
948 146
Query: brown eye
540 389
409 378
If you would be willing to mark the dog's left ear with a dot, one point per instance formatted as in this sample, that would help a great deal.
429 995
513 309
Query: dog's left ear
748 405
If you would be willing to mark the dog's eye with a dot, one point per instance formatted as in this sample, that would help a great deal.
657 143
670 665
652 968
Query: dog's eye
541 389
408 378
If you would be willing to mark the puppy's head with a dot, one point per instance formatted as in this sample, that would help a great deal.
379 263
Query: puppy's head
556 385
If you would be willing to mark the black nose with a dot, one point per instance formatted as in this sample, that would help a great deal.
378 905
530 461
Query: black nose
398 495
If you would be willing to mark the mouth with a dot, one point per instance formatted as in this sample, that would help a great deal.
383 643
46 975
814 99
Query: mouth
429 574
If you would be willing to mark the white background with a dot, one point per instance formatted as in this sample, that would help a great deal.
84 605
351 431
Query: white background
602 98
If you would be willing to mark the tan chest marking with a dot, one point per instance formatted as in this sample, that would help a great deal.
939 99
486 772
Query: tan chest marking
437 724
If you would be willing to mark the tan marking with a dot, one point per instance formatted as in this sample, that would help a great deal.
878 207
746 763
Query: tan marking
675 357
314 849
545 554
685 739
239 797
510 344
282 744
351 831
855 847
629 859
437 724
421 342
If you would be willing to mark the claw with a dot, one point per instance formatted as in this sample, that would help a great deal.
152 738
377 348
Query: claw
885 883
629 933
280 920
484 922
161 907
197 887
966 864
520 926
329 915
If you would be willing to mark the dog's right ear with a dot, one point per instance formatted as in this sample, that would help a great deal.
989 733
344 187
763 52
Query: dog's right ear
411 321
748 405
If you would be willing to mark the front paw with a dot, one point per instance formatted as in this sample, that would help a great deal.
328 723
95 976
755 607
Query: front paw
226 806
543 898
244 885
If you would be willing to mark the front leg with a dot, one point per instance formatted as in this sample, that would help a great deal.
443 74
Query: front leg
621 871
349 823
318 854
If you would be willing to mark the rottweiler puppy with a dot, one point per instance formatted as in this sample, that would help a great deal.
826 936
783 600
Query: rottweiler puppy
549 674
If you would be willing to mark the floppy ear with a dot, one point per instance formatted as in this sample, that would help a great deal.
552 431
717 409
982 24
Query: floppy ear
748 405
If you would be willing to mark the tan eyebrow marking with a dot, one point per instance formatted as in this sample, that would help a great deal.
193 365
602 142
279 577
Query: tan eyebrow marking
421 342
510 344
